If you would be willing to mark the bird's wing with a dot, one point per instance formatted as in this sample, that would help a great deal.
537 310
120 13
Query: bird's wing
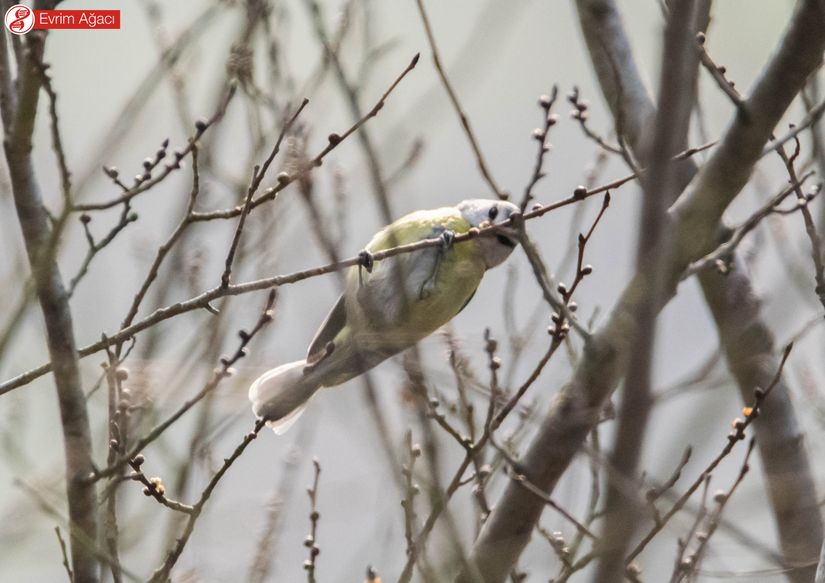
332 325
377 292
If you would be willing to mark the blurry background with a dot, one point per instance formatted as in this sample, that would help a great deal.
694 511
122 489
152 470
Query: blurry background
119 99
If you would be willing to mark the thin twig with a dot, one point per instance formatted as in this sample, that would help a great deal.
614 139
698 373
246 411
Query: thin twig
721 498
57 141
738 434
333 140
154 487
311 541
718 73
218 375
161 574
806 122
720 257
465 121
411 491
258 174
203 300
579 113
540 135
144 184
62 544
167 246
810 228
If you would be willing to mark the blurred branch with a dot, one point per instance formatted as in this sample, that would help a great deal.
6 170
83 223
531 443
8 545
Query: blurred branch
224 371
311 541
258 174
694 222
162 573
62 544
48 508
691 562
722 255
661 186
334 139
350 91
203 300
747 342
265 551
117 424
465 121
145 181
125 117
756 409
35 225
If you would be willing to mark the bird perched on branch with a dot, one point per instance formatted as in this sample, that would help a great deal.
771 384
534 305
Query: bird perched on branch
389 305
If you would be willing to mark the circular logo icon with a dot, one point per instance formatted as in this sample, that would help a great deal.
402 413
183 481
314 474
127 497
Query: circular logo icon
19 19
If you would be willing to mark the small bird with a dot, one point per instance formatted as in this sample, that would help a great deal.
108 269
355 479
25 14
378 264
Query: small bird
388 306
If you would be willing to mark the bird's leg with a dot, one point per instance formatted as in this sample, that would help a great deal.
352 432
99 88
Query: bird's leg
447 239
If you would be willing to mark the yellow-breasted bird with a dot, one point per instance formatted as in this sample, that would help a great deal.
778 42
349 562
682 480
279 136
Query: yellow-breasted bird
387 309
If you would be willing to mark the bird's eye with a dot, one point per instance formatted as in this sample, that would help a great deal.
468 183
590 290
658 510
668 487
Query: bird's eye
493 213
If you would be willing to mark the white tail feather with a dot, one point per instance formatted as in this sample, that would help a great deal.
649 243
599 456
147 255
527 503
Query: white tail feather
283 424
280 395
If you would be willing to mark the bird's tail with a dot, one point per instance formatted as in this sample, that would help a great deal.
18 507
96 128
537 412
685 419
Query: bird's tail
281 394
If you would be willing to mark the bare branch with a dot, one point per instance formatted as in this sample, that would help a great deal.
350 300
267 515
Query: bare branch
203 301
723 254
694 220
224 371
35 225
145 181
465 121
334 140
311 541
62 544
161 574
738 434
257 177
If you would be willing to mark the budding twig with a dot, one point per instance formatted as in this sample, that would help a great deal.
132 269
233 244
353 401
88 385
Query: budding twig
219 374
311 540
738 434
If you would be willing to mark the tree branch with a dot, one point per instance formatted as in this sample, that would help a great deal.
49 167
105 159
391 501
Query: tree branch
661 186
694 221
36 229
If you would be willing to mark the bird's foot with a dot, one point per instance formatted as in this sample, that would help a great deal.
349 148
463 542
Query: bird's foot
447 240
365 261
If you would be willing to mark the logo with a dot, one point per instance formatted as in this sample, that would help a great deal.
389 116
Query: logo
19 19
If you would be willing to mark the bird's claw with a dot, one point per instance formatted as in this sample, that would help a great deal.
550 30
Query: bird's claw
428 287
366 260
447 239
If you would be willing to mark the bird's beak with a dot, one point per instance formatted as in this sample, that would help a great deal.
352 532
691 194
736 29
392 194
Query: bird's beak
507 236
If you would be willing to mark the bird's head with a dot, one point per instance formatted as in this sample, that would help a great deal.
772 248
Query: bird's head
483 213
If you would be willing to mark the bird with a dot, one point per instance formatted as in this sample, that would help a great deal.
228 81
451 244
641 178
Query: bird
387 306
